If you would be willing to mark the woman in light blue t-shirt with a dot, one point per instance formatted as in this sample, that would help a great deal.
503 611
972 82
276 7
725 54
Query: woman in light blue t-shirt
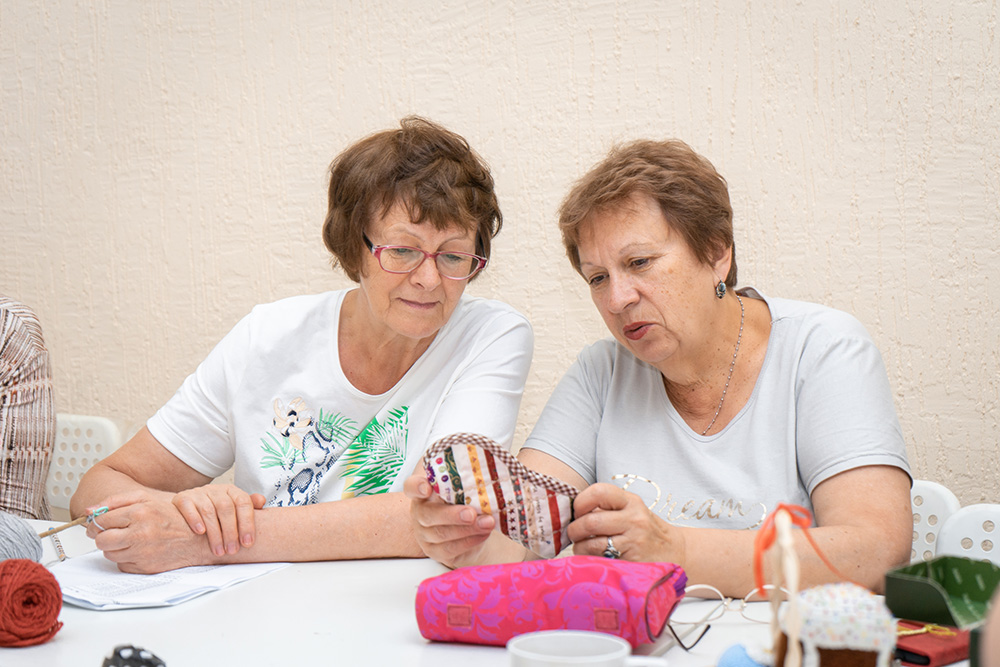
707 407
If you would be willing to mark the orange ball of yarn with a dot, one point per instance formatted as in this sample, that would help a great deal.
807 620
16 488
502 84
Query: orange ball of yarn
30 601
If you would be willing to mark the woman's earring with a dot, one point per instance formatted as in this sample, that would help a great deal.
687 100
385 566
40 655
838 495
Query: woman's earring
720 290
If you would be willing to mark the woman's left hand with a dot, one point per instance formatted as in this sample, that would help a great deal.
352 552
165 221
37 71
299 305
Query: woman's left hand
605 510
222 512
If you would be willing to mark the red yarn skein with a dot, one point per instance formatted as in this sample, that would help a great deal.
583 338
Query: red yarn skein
30 601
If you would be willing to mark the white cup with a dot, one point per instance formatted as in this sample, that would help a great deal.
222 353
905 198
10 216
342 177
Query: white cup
561 648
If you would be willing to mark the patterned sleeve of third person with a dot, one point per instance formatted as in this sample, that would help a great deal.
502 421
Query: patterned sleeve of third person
27 413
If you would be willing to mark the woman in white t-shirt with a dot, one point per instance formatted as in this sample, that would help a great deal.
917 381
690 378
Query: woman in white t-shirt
331 397
708 407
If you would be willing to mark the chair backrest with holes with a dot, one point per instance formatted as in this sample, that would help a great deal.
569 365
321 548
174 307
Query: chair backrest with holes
973 532
81 441
932 504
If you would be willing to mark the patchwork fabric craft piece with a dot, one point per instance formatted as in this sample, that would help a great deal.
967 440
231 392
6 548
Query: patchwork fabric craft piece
530 508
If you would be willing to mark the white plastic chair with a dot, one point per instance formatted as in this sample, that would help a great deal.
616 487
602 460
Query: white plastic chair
81 441
932 504
973 532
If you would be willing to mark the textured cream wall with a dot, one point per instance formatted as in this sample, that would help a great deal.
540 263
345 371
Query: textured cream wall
162 169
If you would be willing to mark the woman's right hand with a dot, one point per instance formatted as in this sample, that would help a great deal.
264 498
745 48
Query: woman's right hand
221 512
143 533
454 535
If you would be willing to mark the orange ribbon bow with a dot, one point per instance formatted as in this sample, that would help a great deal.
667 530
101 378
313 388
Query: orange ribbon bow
767 534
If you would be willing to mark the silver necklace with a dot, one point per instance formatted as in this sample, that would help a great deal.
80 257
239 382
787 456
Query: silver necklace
732 365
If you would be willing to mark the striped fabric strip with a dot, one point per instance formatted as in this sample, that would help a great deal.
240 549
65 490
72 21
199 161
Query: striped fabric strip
556 523
522 514
455 477
491 464
477 471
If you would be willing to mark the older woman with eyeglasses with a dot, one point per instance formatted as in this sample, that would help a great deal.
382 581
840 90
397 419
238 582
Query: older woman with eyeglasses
331 397
708 407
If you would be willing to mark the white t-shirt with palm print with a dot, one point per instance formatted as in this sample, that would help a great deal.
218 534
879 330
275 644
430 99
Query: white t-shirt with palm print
272 401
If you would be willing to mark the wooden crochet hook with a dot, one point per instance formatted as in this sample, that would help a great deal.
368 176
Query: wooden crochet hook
75 522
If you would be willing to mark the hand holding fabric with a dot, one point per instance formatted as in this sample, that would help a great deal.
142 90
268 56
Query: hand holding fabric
454 535
605 510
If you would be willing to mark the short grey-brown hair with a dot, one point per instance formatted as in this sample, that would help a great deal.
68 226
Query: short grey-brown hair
692 195
430 170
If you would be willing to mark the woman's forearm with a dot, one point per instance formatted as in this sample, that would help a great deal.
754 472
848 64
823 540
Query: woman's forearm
376 526
151 536
101 482
724 558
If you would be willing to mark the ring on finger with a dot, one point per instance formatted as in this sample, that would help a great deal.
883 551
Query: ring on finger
610 551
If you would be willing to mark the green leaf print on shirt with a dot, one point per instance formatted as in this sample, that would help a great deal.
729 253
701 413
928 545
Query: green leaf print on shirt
374 459
335 428
280 453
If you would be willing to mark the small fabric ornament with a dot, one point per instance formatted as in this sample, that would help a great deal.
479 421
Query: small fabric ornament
530 508
842 616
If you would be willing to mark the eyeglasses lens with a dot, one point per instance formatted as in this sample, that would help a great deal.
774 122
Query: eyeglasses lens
695 611
757 607
403 259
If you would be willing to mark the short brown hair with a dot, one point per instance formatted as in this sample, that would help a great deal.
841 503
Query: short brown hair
431 171
693 196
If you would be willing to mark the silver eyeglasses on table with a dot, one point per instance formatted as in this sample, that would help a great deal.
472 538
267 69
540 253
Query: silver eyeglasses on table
695 613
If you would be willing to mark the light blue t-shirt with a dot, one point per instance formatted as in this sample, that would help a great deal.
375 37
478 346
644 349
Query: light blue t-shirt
821 405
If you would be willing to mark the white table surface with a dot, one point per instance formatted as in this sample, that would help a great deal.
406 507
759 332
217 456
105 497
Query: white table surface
331 613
